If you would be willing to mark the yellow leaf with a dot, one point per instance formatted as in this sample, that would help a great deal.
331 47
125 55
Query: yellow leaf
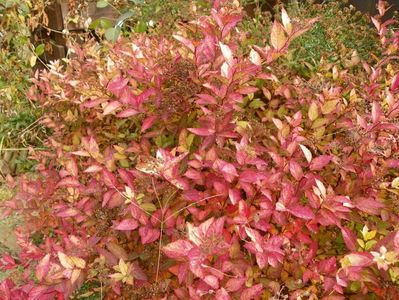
395 183
65 261
148 207
78 262
319 132
319 122
119 156
123 267
329 106
361 243
286 21
117 276
370 235
32 60
75 275
313 111
119 149
277 36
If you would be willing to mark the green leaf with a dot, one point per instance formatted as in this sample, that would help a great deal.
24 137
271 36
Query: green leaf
257 103
39 50
102 3
112 34
100 23
141 27
137 1
370 244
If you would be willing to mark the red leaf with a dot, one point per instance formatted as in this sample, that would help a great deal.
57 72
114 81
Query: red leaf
349 238
369 205
127 224
302 212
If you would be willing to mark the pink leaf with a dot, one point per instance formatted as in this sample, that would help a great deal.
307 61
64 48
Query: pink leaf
235 284
252 292
68 182
178 249
222 295
148 122
117 85
202 131
212 281
43 267
127 224
376 112
127 113
205 99
296 170
396 241
320 162
111 107
69 212
186 42
148 234
93 169
234 196
395 82
360 259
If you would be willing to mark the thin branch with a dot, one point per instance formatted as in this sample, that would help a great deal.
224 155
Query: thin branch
192 204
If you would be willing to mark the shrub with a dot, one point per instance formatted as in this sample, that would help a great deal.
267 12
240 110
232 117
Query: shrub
184 168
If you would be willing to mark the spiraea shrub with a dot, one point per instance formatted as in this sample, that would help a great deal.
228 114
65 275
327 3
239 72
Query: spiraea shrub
183 168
